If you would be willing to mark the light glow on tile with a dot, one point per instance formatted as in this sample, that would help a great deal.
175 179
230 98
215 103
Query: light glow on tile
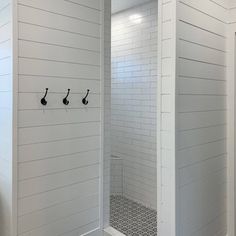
136 18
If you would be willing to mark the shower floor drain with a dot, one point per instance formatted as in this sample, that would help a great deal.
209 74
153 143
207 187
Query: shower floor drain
131 218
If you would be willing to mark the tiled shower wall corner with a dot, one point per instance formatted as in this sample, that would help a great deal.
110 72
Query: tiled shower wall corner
107 110
116 176
134 81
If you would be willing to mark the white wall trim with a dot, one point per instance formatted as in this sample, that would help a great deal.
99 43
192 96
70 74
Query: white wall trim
112 232
167 207
159 74
102 92
15 117
231 132
96 232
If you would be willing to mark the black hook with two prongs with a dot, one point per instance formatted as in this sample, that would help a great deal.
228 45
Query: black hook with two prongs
43 100
65 100
84 100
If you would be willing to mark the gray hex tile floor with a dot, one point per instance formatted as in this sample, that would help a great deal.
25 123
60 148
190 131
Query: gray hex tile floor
132 218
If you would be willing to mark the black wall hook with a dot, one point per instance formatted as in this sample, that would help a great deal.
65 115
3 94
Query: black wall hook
43 100
65 100
84 100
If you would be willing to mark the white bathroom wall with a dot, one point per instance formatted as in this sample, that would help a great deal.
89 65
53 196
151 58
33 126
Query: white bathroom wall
201 118
134 83
6 117
59 146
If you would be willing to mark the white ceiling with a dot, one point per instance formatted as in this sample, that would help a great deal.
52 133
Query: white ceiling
120 5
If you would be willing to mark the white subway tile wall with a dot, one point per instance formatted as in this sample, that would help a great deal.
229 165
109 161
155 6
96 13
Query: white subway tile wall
134 83
116 176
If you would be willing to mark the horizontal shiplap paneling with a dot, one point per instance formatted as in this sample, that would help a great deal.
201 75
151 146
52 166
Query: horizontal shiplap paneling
59 132
59 146
49 182
65 225
37 84
67 8
201 117
36 33
44 51
57 196
40 218
56 148
29 118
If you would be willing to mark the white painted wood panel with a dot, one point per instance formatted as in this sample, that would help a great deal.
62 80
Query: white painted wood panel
37 84
58 22
55 37
57 53
200 53
191 103
62 226
5 32
58 132
202 86
223 3
88 3
6 83
201 19
209 8
67 8
5 14
6 66
189 156
58 116
39 219
196 137
53 68
232 15
197 194
190 120
59 147
202 169
5 49
200 36
201 118
56 197
49 182
192 68
57 164
56 148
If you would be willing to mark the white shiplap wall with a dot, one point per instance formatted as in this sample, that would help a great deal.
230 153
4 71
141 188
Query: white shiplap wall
201 118
6 117
59 147
134 81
